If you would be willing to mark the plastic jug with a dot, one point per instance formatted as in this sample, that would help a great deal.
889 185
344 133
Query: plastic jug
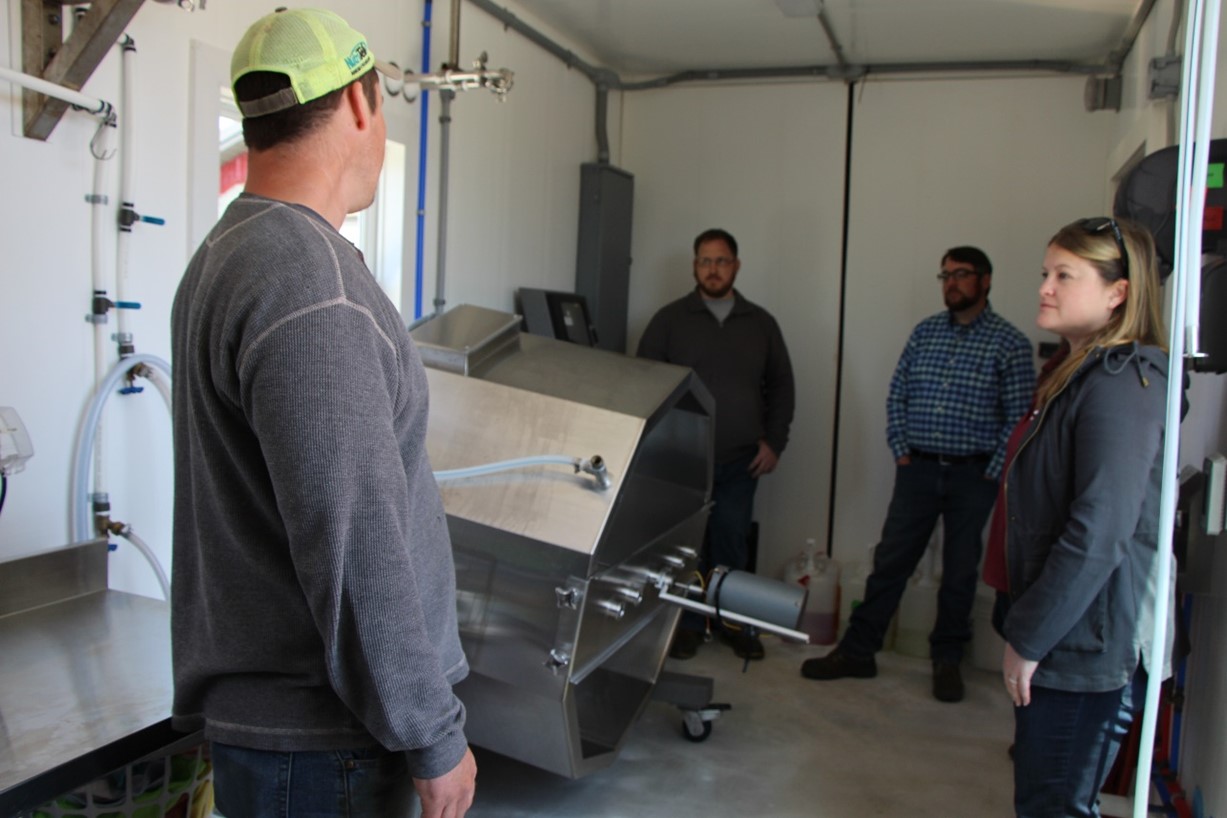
918 608
800 568
821 618
852 588
820 574
917 613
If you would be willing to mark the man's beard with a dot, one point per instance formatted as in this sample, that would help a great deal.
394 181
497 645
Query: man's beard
957 301
713 289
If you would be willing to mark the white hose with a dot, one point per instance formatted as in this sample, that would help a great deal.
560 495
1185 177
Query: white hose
593 466
127 533
506 465
79 509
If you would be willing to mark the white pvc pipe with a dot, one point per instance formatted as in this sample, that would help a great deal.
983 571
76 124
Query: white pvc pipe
126 130
1201 25
128 534
79 510
94 106
101 149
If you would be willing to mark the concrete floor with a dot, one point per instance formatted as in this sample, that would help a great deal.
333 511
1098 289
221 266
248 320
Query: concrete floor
790 747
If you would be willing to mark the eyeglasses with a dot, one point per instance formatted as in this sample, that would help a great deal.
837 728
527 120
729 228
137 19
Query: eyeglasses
958 275
723 261
1099 224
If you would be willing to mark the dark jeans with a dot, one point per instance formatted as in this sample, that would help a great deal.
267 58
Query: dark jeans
1064 747
329 784
726 540
925 490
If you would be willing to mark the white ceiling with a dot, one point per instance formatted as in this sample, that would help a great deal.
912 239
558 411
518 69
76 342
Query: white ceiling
638 38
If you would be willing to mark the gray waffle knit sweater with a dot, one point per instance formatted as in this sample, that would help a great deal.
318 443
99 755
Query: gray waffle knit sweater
313 602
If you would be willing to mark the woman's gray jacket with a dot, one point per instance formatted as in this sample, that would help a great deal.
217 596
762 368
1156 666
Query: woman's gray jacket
1082 506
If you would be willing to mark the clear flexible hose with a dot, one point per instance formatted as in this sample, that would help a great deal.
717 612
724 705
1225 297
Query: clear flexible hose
593 465
128 534
80 501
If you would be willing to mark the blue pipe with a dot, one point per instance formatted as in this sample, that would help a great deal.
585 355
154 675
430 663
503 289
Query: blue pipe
423 130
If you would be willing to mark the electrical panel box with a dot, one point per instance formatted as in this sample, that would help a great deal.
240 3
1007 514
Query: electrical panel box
15 446
603 252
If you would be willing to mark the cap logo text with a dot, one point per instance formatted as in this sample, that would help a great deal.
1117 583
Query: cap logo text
356 57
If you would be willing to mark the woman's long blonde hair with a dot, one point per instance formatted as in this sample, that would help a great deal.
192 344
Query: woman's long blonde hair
1139 318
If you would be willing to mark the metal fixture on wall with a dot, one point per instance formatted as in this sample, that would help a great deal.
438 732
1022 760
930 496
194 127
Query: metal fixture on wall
496 80
1164 78
1103 93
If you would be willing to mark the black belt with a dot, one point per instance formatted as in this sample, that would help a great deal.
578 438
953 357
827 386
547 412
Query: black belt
950 459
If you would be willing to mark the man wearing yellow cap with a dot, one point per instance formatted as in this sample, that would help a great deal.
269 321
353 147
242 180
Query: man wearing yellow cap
313 616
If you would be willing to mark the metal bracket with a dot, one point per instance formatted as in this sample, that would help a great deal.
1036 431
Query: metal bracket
1165 77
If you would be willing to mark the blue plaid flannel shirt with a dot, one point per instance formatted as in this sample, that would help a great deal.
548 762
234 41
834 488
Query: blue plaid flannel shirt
959 390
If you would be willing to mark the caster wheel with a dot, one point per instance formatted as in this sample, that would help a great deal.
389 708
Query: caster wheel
696 734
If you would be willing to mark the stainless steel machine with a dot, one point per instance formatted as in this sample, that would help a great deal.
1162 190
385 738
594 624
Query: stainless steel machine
561 565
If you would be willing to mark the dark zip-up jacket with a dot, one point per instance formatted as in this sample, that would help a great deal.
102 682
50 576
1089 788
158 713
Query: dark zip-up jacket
1082 505
742 362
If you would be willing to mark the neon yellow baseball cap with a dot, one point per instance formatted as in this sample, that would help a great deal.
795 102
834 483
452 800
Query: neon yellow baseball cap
315 49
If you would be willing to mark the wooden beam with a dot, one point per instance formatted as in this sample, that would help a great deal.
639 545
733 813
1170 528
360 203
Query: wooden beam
41 37
68 62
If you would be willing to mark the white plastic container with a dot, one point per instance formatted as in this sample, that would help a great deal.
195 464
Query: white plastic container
917 613
918 608
852 592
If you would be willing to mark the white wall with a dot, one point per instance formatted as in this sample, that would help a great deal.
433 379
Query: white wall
765 163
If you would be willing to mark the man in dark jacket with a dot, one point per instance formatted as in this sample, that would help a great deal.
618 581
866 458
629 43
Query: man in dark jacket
738 352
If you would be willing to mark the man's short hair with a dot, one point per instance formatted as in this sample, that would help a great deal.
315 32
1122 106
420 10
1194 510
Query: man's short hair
712 235
970 255
283 127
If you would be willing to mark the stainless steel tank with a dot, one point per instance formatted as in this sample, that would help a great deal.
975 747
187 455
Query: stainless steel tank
557 577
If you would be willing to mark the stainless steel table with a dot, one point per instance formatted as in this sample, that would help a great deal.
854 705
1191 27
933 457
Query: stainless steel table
85 676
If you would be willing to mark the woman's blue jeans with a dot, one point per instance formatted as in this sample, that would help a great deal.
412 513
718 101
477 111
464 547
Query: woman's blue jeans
328 784
1065 745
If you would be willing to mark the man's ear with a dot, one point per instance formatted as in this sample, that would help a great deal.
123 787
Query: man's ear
354 99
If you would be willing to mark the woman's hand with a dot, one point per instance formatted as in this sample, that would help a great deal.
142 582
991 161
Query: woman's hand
1017 672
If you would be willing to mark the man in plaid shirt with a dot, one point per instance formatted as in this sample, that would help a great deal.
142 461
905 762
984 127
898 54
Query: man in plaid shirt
964 379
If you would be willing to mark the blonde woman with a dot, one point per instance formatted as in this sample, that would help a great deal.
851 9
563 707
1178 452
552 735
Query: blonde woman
1080 511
